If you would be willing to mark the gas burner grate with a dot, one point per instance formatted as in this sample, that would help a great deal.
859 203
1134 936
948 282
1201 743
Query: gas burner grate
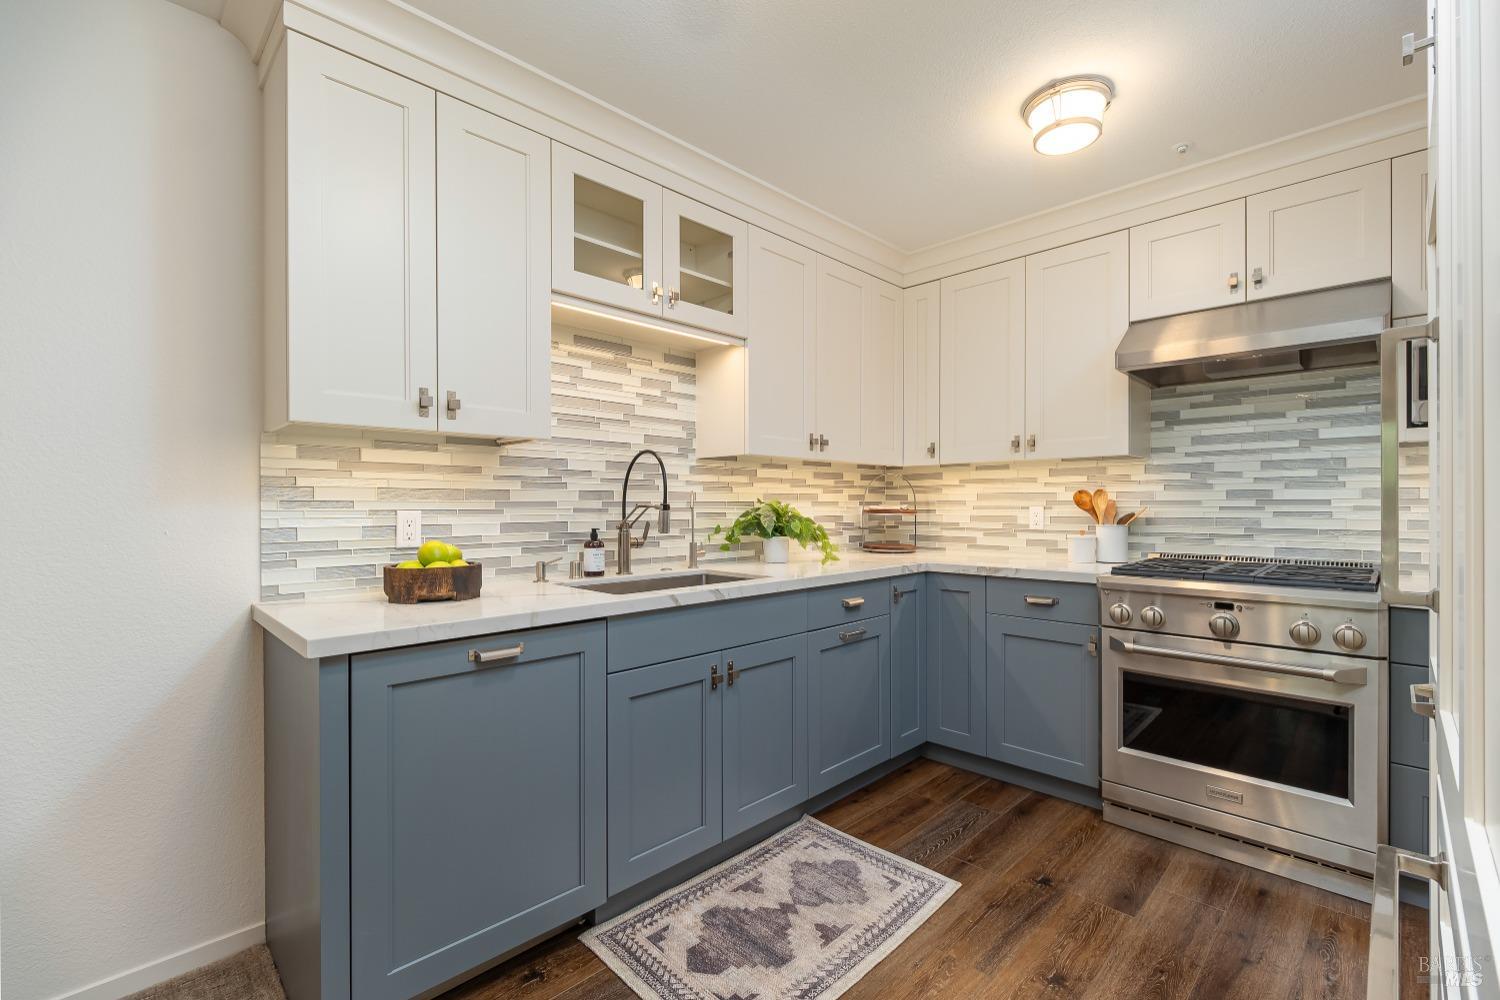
1327 574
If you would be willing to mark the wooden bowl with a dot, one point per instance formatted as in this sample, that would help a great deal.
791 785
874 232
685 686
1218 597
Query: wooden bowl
445 583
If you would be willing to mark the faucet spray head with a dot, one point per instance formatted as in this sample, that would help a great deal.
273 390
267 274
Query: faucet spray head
664 519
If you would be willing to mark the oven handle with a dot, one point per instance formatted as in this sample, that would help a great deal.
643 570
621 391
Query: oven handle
1334 675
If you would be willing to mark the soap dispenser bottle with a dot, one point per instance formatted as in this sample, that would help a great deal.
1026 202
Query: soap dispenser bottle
593 554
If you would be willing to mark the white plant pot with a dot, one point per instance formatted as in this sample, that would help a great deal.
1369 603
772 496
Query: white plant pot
1082 549
1114 542
775 550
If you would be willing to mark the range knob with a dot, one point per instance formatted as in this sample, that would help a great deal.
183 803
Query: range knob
1224 625
1349 637
1305 633
1152 617
1119 614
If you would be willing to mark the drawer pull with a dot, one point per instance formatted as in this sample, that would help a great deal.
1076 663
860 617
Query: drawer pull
851 635
1421 701
496 655
852 603
1041 602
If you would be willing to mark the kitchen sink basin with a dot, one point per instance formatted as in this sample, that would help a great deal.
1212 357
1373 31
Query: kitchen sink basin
660 581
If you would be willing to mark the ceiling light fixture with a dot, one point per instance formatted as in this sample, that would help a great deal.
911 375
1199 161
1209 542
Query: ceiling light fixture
1067 115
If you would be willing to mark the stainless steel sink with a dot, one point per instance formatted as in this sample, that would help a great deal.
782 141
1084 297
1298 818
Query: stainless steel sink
660 581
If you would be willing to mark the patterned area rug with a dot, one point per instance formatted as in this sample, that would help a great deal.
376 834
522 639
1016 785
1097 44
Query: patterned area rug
804 914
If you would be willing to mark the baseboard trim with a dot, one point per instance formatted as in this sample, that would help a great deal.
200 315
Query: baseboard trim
143 976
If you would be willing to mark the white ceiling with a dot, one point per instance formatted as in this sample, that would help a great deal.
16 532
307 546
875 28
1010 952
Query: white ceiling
904 119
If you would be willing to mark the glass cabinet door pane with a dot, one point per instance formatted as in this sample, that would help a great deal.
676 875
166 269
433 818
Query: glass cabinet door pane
608 233
706 267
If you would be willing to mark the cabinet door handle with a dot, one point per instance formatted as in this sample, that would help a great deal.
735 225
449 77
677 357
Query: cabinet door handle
1041 602
812 441
852 634
655 294
1031 442
932 449
733 673
713 677
487 656
1257 277
454 405
851 603
822 443
1234 280
424 401
673 296
1421 701
1015 443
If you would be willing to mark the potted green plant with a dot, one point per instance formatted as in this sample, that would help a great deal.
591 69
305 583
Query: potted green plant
777 523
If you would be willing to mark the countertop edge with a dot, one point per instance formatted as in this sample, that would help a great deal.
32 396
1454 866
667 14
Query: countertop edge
334 641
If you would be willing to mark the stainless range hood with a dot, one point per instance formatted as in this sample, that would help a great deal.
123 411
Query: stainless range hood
1333 328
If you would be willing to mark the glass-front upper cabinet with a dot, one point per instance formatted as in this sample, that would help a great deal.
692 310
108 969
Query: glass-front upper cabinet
621 240
606 233
705 265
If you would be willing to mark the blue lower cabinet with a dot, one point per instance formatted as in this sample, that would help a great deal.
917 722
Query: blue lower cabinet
765 731
665 766
1042 690
476 802
955 661
908 657
848 706
1408 804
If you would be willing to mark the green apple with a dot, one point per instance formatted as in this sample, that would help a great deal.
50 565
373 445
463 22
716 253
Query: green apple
454 553
458 562
431 552
409 564
437 564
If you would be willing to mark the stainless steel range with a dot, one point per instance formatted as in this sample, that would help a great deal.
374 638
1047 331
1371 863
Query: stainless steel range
1243 711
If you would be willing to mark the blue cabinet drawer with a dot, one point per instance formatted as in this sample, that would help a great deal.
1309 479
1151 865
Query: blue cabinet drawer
1408 729
657 636
1409 636
1063 602
848 603
1408 808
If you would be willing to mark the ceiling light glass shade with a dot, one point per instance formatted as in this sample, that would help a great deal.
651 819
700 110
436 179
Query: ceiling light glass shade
1068 115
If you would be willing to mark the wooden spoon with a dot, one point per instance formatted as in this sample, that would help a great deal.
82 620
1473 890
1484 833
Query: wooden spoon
1084 501
1110 510
1131 516
1101 498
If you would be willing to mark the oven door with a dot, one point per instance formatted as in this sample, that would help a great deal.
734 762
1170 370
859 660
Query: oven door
1286 737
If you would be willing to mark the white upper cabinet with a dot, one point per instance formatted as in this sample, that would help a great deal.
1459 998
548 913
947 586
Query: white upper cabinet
1409 249
359 345
781 367
1188 262
839 346
623 241
1077 307
406 254
921 441
606 233
983 348
1329 231
494 324
702 268
881 367
820 376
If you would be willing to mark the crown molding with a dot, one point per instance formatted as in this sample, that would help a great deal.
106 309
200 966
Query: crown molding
409 42
1376 135
416 45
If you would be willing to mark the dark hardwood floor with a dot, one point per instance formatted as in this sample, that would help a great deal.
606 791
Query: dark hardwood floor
1054 903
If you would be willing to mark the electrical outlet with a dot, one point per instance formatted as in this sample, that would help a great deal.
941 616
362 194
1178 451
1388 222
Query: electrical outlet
1038 518
408 528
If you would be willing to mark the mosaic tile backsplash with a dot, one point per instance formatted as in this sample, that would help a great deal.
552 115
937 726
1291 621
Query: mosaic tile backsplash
1287 465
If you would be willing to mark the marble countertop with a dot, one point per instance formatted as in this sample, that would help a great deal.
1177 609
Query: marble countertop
359 624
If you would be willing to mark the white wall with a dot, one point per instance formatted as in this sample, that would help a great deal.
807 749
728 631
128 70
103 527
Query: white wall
130 712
